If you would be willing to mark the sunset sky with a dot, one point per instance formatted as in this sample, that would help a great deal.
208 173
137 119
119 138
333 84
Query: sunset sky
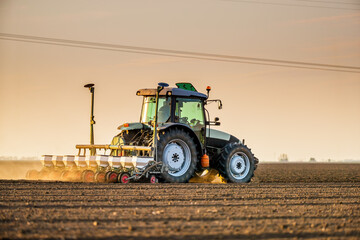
304 113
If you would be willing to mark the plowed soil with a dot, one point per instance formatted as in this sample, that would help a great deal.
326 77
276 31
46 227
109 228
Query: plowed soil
284 201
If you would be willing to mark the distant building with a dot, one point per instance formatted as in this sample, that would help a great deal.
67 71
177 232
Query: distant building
283 158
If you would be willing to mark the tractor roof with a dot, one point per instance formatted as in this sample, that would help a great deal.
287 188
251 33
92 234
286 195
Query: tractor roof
173 91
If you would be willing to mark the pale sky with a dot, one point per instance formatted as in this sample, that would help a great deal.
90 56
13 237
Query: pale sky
44 108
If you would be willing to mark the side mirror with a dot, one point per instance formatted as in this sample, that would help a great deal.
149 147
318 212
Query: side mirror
215 100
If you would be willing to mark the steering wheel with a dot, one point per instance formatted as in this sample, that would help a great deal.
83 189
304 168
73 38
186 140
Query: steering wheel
183 120
194 121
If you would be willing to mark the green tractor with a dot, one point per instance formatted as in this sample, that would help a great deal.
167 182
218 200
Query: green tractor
175 139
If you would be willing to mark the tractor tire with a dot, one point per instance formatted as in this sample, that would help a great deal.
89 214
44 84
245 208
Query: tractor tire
177 150
256 162
237 163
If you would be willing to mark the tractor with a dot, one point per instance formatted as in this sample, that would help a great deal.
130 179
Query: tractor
173 141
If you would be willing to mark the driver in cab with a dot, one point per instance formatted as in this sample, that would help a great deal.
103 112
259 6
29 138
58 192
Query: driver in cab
164 112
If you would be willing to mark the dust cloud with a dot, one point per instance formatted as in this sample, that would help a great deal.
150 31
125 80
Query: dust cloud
14 170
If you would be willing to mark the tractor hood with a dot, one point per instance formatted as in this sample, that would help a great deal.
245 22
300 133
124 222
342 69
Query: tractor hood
133 126
219 139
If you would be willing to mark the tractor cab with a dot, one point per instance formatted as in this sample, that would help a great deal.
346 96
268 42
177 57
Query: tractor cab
182 105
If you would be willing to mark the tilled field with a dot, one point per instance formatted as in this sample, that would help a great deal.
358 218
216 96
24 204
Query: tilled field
323 209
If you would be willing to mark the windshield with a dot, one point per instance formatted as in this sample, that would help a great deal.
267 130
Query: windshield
148 110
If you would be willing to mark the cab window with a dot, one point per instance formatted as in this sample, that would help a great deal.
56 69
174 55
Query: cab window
190 112
148 110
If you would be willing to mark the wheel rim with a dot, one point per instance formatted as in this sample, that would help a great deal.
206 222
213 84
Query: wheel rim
239 165
113 177
177 156
124 178
153 179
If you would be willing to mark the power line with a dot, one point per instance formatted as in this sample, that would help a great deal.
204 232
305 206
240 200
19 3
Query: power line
179 56
289 4
331 2
177 53
107 45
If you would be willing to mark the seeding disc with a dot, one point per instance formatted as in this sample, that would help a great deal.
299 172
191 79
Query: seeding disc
100 176
124 178
113 177
88 176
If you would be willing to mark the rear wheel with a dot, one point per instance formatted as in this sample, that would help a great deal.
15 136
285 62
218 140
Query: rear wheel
177 151
256 160
237 163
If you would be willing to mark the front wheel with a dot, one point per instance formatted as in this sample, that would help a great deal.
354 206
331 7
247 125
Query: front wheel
177 151
237 163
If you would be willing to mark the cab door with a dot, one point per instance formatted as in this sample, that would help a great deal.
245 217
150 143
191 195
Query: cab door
190 111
